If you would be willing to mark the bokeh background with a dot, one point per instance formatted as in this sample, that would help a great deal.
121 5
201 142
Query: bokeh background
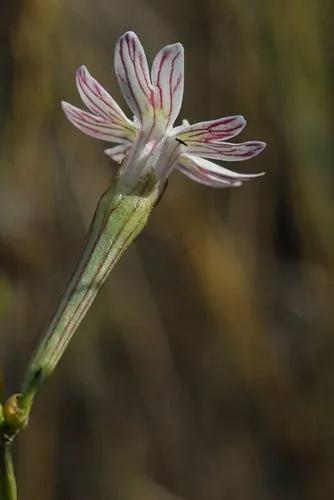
205 368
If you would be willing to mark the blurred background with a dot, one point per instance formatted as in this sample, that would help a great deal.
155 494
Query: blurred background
205 368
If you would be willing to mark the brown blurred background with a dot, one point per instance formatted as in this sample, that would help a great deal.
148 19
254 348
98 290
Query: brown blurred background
205 369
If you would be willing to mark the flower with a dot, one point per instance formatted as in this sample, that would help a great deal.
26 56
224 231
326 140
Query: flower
149 142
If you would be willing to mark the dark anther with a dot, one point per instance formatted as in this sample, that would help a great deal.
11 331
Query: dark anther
181 142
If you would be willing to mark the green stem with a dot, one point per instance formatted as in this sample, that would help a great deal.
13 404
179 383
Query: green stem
7 477
118 219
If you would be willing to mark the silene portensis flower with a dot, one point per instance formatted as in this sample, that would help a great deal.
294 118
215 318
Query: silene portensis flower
150 142
148 148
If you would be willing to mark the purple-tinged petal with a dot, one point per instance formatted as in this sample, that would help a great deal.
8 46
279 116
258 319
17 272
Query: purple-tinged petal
213 130
168 76
133 76
202 179
98 100
119 153
95 126
211 174
227 151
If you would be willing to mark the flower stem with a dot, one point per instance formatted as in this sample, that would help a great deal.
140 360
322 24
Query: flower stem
118 219
7 477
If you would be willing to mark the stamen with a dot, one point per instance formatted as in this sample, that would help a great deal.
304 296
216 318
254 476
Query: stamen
181 142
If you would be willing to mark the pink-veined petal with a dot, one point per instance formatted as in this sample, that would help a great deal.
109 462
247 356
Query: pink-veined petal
211 174
95 126
133 75
118 153
168 76
98 100
202 179
213 130
228 151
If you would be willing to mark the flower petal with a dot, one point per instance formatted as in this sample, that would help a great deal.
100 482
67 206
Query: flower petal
133 75
97 99
95 126
168 76
212 131
228 151
119 153
211 174
202 179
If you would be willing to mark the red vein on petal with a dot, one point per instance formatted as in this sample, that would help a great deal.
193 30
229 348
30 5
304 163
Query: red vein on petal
82 116
82 84
211 130
134 61
96 132
171 94
141 63
229 151
127 79
113 112
161 63
100 111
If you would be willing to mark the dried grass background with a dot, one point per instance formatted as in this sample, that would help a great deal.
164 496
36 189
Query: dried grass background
205 369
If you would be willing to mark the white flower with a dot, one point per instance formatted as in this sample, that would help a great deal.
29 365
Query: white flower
149 142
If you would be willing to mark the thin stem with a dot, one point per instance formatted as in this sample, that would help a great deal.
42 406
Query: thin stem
7 478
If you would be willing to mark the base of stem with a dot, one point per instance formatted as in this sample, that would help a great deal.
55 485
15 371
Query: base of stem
7 477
